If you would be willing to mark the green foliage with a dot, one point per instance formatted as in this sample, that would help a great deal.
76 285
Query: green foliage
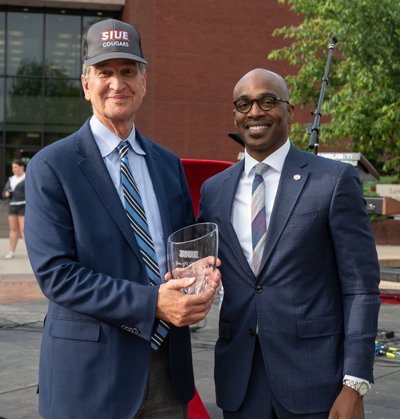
362 100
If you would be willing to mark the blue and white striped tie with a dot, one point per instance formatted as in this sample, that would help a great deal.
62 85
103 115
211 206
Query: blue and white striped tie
137 218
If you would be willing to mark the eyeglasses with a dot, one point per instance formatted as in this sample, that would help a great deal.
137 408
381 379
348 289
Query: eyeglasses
264 102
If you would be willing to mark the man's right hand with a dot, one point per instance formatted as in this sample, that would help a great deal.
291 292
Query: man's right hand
348 405
182 309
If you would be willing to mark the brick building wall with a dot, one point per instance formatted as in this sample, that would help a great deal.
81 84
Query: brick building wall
386 231
197 51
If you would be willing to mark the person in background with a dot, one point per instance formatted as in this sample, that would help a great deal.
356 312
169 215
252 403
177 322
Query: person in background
101 204
300 271
14 191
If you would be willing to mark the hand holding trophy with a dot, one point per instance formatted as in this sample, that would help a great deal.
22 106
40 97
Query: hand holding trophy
192 253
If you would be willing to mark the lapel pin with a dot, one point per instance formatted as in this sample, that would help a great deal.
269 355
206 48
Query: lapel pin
296 177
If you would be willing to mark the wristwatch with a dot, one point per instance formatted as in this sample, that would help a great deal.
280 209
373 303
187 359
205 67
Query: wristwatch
360 387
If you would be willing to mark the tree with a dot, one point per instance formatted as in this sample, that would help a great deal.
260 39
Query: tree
363 96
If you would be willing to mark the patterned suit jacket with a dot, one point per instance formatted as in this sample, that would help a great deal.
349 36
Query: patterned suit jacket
316 296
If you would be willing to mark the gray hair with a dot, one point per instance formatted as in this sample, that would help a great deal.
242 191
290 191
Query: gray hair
86 69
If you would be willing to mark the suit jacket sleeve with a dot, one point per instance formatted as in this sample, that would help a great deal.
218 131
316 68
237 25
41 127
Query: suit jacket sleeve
358 271
201 218
51 220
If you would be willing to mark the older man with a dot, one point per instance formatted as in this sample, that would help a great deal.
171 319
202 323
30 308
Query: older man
101 205
299 317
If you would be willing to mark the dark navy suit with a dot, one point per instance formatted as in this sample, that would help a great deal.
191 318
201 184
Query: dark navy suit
95 351
316 297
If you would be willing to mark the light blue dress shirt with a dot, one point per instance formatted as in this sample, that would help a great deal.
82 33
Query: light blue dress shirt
107 142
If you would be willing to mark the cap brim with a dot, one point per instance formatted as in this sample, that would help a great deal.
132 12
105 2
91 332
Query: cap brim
113 56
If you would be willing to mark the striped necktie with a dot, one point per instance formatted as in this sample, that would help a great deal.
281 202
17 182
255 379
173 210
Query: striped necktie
258 217
137 218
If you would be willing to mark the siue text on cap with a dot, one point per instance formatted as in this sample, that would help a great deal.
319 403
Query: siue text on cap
111 39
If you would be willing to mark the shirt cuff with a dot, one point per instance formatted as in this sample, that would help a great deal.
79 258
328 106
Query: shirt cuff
358 380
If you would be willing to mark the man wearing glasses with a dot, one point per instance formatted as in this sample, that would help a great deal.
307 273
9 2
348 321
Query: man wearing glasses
299 316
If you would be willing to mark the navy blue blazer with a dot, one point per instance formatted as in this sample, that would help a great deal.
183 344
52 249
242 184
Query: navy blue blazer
316 300
95 351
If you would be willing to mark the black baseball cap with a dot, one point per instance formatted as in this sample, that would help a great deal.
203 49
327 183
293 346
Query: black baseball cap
111 39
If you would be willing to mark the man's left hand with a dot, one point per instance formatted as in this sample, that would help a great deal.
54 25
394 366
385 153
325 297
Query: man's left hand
348 405
214 277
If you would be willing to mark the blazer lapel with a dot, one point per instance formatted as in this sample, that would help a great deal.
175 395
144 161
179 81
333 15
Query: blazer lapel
155 166
95 170
229 188
288 192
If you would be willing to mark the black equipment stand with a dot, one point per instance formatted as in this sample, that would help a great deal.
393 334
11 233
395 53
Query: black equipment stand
313 129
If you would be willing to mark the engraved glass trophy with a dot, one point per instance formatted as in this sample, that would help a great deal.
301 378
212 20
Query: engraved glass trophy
192 252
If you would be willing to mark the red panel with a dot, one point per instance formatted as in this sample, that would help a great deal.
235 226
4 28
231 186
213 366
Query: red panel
197 171
197 409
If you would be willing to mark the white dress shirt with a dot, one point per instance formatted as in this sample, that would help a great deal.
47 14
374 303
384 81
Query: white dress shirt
241 210
107 142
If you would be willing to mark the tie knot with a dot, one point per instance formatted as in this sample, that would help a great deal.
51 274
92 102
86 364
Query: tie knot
123 148
261 168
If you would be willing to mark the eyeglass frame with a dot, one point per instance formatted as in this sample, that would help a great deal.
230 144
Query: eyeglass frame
258 103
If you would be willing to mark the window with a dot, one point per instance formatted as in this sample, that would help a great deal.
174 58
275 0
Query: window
41 98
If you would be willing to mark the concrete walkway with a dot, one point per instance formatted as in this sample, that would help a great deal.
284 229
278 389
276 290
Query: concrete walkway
23 307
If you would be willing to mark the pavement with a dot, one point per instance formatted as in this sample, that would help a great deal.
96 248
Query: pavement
23 308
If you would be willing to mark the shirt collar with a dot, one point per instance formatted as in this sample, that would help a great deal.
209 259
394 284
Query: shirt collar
274 160
107 141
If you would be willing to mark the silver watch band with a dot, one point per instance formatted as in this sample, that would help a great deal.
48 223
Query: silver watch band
360 387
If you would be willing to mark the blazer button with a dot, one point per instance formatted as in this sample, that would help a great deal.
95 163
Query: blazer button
251 332
259 288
